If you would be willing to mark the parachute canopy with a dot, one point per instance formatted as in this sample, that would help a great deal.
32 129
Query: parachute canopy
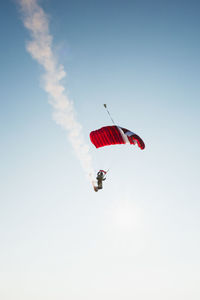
115 135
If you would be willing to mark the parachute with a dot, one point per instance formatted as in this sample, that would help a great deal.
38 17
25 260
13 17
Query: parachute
115 135
112 135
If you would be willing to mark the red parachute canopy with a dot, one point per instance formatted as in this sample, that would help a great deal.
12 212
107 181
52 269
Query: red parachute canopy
114 135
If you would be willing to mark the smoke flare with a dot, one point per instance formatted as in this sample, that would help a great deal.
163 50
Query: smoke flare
40 48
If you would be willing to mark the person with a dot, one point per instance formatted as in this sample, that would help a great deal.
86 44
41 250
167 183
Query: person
100 178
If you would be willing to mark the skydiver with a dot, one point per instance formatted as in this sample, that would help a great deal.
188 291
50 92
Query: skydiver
100 178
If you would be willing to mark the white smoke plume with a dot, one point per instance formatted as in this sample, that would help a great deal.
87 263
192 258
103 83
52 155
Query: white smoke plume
40 48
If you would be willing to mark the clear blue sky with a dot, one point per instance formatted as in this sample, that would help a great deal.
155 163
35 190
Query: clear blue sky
139 238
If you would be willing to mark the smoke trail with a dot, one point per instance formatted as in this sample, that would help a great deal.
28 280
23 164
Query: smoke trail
40 48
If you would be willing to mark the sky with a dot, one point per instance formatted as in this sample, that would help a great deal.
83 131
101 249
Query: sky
138 238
